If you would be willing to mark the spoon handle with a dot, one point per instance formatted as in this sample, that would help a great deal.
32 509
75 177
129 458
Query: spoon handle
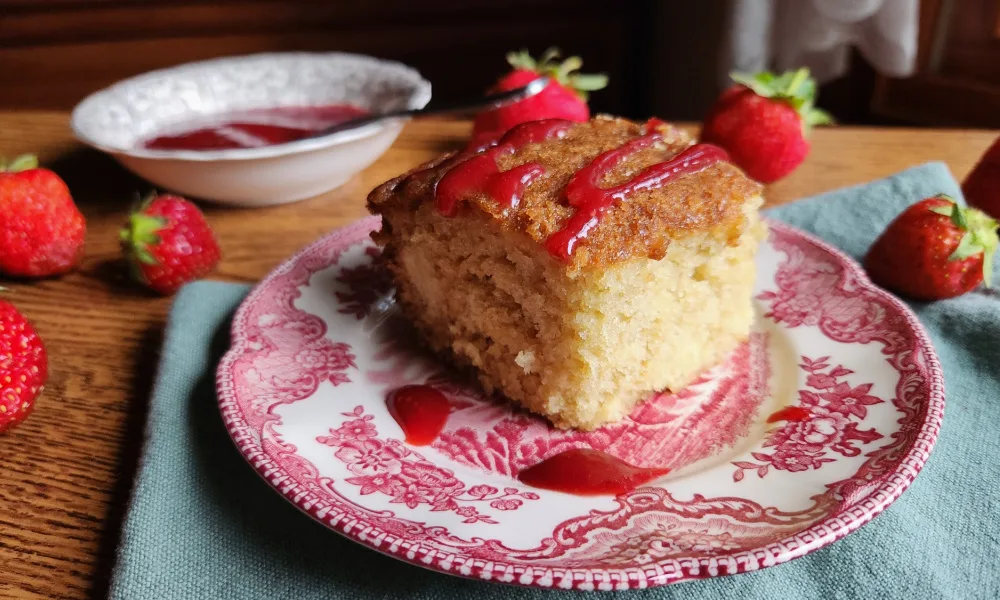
455 108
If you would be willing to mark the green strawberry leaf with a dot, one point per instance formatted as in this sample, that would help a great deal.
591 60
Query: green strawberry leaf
958 217
573 63
761 83
795 88
947 211
145 256
807 88
550 55
799 80
980 235
984 233
968 247
589 83
141 203
521 60
141 234
816 116
565 72
24 162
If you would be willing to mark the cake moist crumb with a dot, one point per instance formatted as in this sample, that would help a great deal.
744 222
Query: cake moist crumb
525 360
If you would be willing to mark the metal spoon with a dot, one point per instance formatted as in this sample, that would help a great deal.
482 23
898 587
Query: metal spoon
465 107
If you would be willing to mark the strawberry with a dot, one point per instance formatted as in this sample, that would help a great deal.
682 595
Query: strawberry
41 230
23 367
934 249
982 187
168 243
762 122
564 98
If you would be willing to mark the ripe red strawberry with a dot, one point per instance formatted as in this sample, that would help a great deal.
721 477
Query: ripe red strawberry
762 123
168 243
982 187
564 98
23 367
41 230
934 249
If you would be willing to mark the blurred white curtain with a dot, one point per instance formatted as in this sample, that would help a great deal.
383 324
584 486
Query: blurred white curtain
786 34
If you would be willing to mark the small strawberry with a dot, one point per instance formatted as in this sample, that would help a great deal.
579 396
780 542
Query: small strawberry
565 97
41 230
982 187
934 249
23 367
168 243
762 123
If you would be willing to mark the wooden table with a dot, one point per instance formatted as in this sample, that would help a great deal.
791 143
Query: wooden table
65 474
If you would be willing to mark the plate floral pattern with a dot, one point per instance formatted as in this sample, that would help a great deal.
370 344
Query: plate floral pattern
314 353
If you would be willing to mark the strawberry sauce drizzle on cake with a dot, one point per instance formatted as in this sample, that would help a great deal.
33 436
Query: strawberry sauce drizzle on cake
476 171
480 173
591 200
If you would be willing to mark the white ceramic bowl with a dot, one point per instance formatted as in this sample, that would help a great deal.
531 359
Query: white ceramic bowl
119 118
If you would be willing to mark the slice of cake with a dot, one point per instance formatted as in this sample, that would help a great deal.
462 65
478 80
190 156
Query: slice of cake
576 267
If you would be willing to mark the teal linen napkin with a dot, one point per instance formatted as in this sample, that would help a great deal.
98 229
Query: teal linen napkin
202 524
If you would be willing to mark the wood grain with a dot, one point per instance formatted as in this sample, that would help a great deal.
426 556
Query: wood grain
66 472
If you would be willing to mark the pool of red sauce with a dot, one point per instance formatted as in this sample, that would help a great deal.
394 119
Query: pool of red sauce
587 472
421 412
789 413
255 128
477 172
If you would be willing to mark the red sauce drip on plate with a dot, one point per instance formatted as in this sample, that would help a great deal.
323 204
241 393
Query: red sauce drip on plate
790 413
586 472
591 200
480 174
421 412
256 128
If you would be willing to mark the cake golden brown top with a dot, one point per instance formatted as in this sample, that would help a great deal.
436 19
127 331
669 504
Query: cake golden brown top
592 193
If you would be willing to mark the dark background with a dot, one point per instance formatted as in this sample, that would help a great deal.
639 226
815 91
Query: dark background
662 56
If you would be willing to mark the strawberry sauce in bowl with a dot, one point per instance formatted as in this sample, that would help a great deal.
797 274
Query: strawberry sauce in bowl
255 128
240 130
